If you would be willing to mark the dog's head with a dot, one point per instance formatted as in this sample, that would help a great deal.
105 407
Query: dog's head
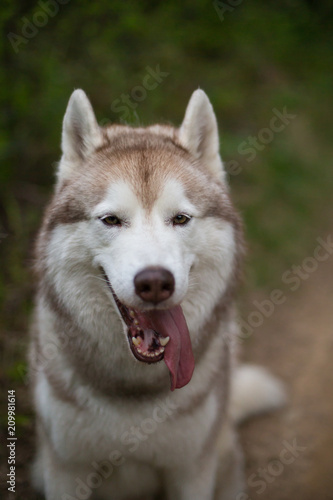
147 211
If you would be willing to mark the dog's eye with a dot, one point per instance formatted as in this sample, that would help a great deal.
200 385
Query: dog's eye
111 220
180 219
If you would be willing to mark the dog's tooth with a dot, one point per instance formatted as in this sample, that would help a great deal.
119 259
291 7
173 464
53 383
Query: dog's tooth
139 350
136 322
136 341
132 313
164 341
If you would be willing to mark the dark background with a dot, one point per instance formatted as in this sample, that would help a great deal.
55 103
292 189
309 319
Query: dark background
250 58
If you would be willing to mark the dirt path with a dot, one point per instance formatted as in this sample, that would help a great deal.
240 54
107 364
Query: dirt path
296 343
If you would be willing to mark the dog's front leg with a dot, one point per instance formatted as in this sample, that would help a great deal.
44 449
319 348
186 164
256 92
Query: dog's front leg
60 481
193 481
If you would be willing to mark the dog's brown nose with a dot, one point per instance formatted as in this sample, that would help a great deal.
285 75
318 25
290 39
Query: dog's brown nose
154 284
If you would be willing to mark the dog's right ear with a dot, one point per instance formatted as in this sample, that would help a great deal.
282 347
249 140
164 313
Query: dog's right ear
81 134
199 134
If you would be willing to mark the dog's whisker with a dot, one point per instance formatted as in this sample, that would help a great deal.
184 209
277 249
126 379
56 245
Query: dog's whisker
193 283
97 278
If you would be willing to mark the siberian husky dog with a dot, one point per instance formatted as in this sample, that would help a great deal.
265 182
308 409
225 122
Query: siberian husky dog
135 384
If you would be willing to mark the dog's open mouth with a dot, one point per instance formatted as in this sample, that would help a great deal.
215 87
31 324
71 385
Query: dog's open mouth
159 334
146 344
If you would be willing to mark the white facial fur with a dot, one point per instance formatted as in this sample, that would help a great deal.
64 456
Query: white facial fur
145 239
199 255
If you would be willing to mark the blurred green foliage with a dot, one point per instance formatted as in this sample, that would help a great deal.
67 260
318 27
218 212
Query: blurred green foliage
250 59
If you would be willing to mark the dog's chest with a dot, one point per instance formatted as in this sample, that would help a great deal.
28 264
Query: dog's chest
157 432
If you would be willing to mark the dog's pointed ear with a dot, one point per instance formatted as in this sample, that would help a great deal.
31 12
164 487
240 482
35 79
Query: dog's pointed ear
199 133
81 133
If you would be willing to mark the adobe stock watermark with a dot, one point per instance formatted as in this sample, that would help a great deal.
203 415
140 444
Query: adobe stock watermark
225 7
267 475
30 27
49 351
131 439
127 104
250 147
293 278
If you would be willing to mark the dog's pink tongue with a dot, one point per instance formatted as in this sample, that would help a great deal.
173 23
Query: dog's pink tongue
178 354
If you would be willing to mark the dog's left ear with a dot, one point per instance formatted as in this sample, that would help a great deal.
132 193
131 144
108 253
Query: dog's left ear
199 133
